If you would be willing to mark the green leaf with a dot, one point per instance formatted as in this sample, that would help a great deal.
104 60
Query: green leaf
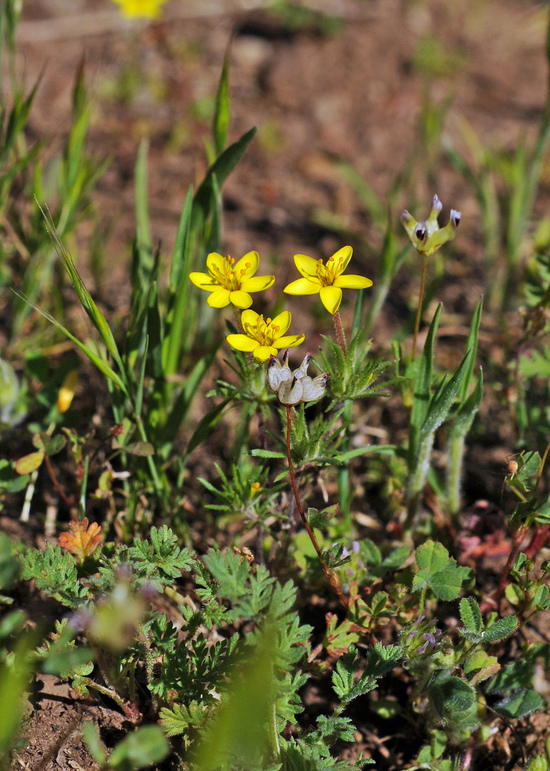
237 734
455 701
90 732
220 170
520 704
223 106
467 411
142 748
501 629
513 677
471 614
447 584
471 344
441 404
432 555
207 424
29 463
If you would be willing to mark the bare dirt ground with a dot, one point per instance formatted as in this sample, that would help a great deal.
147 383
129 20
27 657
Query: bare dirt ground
354 91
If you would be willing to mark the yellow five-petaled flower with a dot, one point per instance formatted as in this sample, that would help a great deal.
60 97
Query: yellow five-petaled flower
264 338
229 282
147 9
327 280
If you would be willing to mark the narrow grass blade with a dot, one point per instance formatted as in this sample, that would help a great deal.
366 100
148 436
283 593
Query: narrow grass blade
471 344
95 315
144 241
440 406
220 169
206 425
179 320
222 112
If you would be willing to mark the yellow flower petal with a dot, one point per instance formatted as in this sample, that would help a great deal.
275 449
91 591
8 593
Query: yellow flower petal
204 281
352 282
331 297
240 299
343 254
303 286
248 264
257 283
263 352
215 261
219 298
289 341
306 265
282 322
249 318
242 342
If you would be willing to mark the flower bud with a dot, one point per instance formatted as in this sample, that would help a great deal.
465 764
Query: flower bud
294 387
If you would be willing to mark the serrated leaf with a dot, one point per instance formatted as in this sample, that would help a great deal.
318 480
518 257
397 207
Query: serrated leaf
446 584
432 556
471 614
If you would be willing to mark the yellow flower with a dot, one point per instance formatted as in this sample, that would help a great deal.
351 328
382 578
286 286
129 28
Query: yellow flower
66 392
326 279
146 9
230 283
264 338
427 237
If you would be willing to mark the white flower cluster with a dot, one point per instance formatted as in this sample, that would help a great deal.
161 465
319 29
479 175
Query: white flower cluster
294 387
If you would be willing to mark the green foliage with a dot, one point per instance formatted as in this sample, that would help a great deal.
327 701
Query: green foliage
229 673
438 572
353 374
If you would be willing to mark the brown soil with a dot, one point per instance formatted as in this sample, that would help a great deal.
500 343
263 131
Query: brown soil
354 92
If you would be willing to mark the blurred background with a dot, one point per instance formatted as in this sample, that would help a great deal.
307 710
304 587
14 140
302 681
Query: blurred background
376 88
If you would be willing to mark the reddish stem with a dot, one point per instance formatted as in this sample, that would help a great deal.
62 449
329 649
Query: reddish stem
331 577
340 334
69 501
492 602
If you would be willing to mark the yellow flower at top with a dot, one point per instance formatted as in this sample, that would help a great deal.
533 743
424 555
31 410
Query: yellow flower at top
146 9
264 338
229 282
427 237
327 280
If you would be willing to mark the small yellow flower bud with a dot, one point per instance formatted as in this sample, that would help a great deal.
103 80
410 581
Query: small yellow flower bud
66 392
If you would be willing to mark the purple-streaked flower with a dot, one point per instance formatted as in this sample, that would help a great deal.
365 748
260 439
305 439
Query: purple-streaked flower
427 237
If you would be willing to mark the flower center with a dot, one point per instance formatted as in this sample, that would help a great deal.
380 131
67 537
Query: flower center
228 277
265 332
328 273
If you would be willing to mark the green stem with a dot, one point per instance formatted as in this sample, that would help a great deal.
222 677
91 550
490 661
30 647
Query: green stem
420 303
273 734
454 473
418 479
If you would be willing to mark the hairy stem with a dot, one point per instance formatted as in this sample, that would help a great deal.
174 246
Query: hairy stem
340 334
331 577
